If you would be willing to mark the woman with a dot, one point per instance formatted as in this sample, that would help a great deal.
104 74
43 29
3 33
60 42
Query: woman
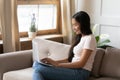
81 55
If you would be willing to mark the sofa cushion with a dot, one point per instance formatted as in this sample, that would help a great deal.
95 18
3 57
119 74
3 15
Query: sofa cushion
97 62
53 49
103 78
23 74
111 63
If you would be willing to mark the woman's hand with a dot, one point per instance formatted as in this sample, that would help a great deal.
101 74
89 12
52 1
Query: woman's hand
50 61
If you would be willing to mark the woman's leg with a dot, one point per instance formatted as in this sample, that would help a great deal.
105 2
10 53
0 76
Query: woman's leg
54 73
37 76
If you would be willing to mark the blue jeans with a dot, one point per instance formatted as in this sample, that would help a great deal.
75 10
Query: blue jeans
43 72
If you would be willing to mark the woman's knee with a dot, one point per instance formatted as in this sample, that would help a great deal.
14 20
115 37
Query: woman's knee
38 67
35 64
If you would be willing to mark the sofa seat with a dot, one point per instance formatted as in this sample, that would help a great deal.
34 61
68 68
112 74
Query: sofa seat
103 78
22 74
26 74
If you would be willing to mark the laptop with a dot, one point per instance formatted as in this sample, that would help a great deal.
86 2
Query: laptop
44 63
41 56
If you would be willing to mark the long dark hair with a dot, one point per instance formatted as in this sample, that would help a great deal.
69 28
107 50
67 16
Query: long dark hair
84 20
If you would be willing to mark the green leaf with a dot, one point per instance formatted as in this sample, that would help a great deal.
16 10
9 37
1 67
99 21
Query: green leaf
103 42
97 38
32 28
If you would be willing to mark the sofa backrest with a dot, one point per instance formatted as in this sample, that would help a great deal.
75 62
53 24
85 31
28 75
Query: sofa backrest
111 63
55 50
97 62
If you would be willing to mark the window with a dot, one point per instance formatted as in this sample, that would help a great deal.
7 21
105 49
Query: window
47 15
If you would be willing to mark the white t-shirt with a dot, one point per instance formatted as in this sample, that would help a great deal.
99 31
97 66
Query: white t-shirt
87 42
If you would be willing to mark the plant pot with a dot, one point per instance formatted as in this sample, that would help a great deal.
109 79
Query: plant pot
32 35
104 46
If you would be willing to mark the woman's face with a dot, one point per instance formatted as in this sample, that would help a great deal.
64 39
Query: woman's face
76 26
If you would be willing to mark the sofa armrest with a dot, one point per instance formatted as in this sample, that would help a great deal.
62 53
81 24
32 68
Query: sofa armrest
15 60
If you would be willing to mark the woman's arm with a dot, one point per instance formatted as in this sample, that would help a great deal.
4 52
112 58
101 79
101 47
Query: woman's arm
78 64
62 61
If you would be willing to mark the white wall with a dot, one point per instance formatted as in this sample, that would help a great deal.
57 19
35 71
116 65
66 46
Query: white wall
107 14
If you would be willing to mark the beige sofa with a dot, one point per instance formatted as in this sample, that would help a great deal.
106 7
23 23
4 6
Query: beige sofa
18 65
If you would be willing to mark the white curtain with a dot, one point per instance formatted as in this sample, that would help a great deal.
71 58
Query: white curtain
0 26
67 10
10 33
1 7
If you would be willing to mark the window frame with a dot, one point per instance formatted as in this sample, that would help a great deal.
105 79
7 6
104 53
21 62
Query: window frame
0 32
0 36
58 22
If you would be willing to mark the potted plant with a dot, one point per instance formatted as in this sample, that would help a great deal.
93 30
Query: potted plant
102 39
32 29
